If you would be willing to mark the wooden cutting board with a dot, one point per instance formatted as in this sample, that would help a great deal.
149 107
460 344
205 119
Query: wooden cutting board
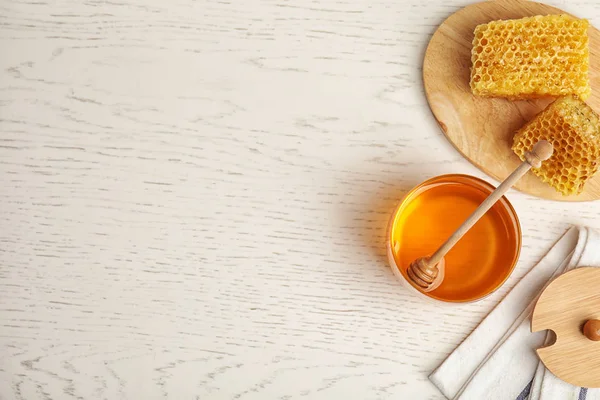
564 307
480 128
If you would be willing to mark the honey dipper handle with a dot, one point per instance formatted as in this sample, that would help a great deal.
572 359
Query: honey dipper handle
541 151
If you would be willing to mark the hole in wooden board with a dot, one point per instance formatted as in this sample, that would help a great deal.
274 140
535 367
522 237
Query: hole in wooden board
550 338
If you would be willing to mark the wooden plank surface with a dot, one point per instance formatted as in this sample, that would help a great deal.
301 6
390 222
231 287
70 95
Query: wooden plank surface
195 195
482 129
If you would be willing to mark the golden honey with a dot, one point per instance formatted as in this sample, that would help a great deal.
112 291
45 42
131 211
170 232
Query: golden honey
481 261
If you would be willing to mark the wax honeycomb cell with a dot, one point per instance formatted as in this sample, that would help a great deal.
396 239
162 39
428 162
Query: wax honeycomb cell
531 58
573 128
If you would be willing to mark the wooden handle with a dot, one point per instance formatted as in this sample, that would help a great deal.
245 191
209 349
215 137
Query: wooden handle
591 329
541 151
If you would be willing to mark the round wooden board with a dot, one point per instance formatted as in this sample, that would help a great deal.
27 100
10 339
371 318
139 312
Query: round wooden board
563 307
481 128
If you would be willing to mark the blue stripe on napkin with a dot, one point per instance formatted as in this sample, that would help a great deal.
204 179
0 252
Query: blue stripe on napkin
525 393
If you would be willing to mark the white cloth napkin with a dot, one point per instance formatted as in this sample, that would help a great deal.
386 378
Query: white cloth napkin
497 361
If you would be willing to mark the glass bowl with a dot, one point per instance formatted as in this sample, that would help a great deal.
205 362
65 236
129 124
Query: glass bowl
427 215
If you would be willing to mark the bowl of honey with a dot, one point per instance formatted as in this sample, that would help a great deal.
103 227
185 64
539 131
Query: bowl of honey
429 213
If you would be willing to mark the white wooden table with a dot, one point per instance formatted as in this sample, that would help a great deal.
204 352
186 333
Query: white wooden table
194 197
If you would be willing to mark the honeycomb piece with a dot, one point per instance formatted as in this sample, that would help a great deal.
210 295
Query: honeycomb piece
531 57
573 128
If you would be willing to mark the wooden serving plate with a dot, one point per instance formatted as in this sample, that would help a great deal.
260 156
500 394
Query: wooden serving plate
564 306
481 128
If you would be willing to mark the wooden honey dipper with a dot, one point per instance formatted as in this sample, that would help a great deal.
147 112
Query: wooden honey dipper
427 273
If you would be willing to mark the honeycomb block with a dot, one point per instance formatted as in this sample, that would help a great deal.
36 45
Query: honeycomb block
573 128
531 58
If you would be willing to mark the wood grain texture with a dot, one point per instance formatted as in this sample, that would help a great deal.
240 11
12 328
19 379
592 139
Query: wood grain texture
194 196
564 307
480 128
